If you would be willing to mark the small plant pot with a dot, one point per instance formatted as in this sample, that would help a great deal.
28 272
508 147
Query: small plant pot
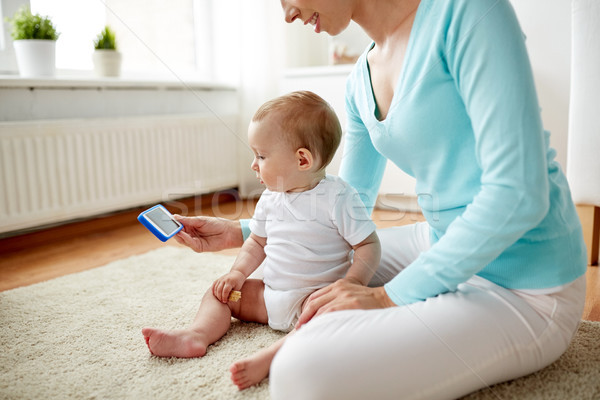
36 57
107 62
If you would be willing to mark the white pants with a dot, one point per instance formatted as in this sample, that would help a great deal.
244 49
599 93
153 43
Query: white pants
442 348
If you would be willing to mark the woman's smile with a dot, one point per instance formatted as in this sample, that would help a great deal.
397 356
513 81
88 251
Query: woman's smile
314 20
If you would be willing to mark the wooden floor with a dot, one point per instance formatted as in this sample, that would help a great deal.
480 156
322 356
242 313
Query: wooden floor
54 252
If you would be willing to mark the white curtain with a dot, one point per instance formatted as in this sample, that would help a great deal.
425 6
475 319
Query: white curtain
262 61
246 41
583 162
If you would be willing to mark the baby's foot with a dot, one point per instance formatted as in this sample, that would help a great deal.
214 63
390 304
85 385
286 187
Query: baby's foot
251 370
182 343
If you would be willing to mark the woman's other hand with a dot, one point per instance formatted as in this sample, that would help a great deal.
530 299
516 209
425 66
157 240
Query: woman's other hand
343 295
209 233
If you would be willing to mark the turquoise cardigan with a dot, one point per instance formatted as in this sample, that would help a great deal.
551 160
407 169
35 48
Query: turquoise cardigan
465 122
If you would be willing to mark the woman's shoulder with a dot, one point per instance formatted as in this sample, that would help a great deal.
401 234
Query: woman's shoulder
450 23
450 10
359 68
463 5
355 83
467 10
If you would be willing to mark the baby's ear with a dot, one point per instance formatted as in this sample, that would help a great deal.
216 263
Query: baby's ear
305 159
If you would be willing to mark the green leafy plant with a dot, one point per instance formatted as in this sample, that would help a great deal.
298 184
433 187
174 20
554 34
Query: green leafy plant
26 25
106 40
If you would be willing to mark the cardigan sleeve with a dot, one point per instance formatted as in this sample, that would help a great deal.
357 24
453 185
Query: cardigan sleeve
486 57
245 223
362 165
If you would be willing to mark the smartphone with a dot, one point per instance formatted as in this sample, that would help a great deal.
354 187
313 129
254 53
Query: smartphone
160 222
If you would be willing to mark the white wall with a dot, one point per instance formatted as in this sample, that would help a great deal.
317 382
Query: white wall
547 25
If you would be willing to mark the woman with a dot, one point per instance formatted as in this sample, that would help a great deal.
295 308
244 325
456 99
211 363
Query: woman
492 286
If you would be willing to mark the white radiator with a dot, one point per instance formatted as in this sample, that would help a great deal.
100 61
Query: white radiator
53 171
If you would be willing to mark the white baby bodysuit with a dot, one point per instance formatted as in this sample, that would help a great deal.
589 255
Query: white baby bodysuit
309 238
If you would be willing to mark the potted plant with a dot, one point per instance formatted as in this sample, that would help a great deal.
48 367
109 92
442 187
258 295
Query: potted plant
107 60
34 39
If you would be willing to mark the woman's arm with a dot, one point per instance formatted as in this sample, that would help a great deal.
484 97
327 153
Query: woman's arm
487 58
203 234
362 165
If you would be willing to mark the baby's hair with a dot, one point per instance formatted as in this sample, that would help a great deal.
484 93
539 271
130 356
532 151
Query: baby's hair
306 121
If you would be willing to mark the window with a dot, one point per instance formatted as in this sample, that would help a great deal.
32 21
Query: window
155 37
177 39
78 22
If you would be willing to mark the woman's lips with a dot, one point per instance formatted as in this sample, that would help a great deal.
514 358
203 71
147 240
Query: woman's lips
314 21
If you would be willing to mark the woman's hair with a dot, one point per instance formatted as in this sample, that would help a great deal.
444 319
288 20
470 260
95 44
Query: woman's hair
306 121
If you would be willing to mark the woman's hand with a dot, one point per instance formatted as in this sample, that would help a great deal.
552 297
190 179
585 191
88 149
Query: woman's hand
209 233
223 286
343 295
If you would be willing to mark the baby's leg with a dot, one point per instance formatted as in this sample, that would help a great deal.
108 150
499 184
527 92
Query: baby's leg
252 370
210 324
191 341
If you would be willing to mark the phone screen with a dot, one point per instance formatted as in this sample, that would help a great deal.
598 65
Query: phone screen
162 220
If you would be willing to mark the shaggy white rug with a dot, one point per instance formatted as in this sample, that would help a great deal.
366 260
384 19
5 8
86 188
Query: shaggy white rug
79 337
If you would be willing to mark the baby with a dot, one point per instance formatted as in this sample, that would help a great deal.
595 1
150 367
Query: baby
305 225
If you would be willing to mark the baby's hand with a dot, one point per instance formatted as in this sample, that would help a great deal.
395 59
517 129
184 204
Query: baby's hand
225 284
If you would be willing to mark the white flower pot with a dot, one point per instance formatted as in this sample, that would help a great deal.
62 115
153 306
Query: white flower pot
107 62
35 57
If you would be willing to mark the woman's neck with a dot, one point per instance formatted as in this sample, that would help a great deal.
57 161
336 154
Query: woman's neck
382 19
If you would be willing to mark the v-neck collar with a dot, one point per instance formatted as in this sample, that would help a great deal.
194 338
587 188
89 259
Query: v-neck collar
399 85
